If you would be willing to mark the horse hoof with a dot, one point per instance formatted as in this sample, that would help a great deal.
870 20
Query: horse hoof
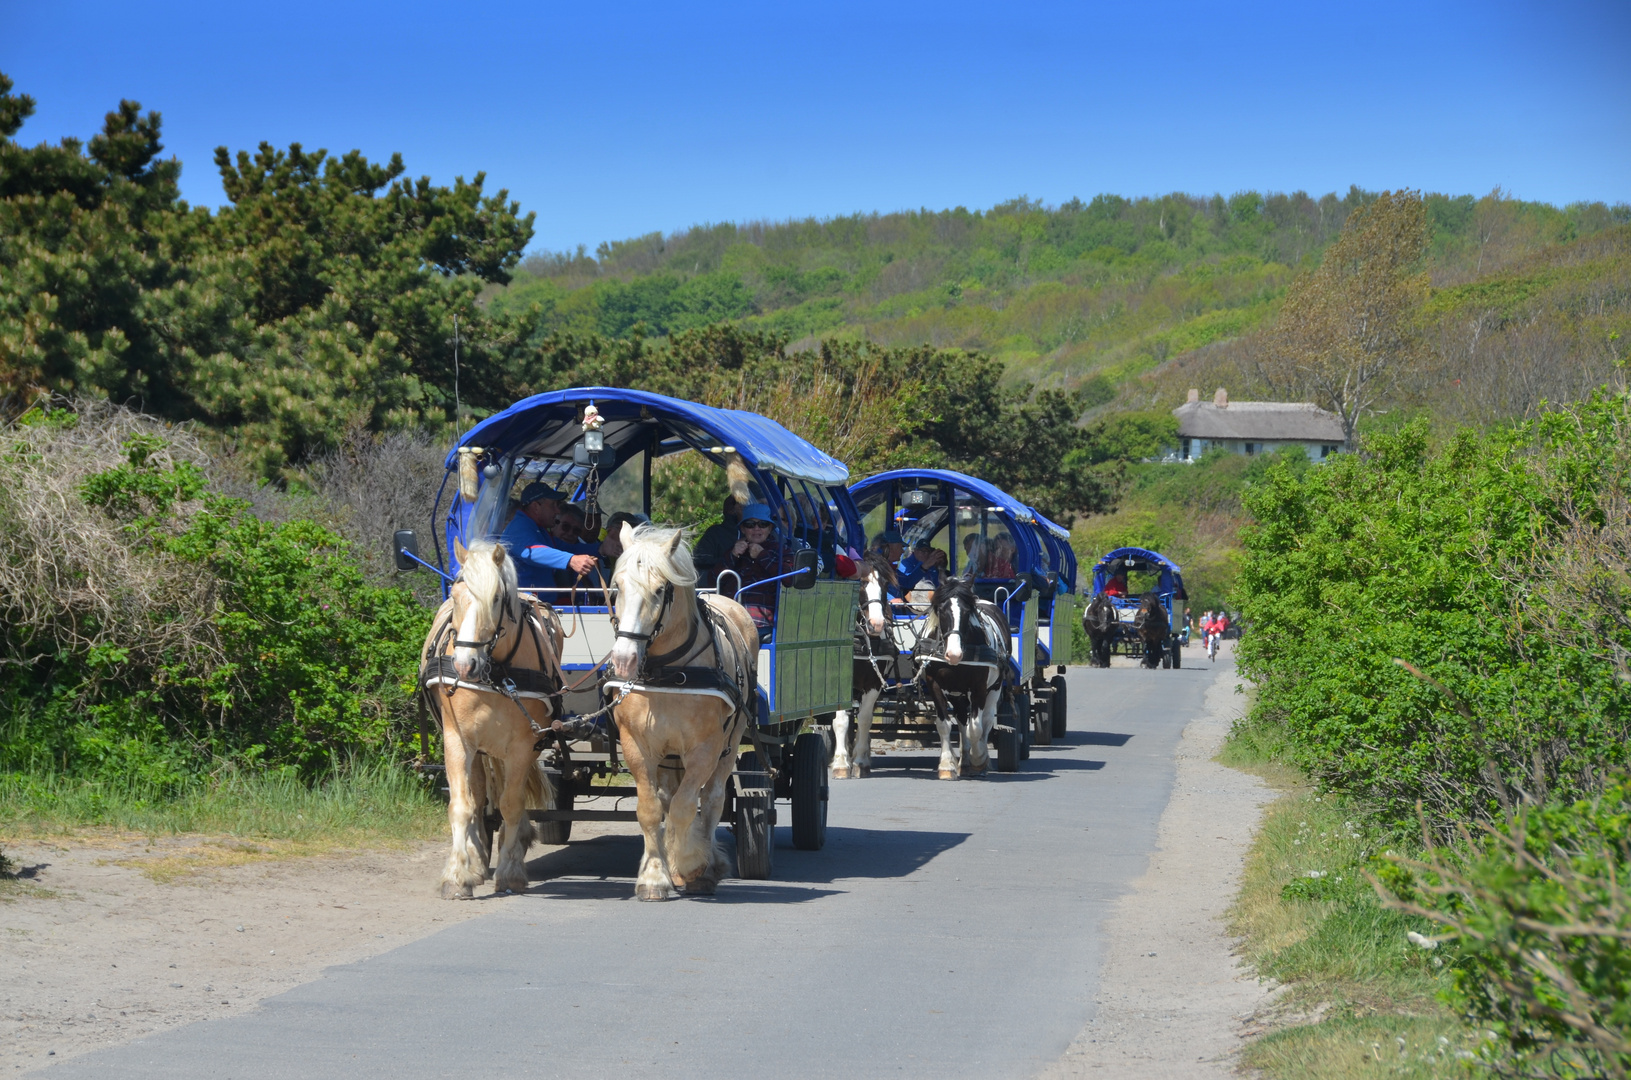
514 886
859 771
947 774
842 772
452 890
653 892
705 886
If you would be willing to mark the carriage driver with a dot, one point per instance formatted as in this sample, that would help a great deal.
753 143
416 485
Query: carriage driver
538 554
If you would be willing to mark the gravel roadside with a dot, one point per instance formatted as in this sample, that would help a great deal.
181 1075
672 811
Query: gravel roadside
1174 999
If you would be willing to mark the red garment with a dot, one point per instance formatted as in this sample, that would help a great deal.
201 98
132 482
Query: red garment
1115 587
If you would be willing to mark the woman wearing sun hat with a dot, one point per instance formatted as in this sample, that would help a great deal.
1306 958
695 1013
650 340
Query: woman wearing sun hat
759 554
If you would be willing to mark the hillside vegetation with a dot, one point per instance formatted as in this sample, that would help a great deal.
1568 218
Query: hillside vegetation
1085 294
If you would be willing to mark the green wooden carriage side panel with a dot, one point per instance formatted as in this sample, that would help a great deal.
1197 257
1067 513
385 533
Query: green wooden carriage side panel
815 631
1027 639
1063 627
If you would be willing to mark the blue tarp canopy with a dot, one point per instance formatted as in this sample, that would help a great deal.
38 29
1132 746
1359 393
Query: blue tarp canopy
547 425
994 495
1172 580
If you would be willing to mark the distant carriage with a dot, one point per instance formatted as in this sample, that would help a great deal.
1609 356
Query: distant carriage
803 664
1144 617
1017 560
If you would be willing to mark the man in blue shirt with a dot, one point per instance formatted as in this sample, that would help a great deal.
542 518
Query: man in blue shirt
923 562
538 554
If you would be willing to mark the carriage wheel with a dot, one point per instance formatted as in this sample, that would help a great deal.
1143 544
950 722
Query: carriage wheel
555 832
752 826
1166 658
1042 716
1022 721
1176 648
810 758
1058 706
1007 741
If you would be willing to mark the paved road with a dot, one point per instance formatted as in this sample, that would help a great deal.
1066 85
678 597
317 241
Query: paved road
947 930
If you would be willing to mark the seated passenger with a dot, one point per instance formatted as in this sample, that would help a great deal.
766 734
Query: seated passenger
1117 585
538 554
714 546
922 566
757 555
1000 558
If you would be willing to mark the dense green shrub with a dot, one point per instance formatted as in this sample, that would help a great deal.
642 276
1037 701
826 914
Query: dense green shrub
1445 559
1542 920
213 634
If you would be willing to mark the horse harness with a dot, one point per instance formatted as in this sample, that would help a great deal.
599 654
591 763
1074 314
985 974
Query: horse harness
516 683
674 672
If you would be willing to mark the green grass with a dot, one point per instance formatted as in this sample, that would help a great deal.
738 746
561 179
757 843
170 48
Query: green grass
364 804
1360 999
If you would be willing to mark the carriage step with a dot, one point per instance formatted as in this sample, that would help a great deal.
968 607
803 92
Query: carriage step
606 792
752 785
583 815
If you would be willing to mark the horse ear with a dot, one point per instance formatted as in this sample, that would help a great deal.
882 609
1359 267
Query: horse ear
460 552
498 554
627 536
674 544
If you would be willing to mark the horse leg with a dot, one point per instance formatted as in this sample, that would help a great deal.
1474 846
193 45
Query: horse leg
863 737
979 730
467 862
652 882
840 745
942 723
516 835
691 854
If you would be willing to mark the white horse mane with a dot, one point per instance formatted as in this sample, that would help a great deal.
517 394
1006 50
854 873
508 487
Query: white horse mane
487 580
648 555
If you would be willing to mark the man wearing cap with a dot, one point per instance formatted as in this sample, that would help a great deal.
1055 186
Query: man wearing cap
924 561
538 554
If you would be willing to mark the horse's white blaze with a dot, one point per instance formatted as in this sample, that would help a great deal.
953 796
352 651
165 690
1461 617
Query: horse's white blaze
874 603
626 651
464 657
954 640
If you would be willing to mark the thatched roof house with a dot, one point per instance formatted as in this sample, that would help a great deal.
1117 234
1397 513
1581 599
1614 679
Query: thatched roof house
1255 427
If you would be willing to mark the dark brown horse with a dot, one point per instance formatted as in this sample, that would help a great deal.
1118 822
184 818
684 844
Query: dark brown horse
1153 627
1099 620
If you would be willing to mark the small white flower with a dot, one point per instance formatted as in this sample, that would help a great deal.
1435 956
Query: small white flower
1315 874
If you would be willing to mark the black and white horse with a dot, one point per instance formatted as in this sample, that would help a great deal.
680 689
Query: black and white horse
1099 620
974 635
1152 624
875 659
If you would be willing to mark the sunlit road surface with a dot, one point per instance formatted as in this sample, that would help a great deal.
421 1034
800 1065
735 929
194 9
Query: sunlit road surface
948 929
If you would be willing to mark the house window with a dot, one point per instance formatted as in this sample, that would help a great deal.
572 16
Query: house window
1251 448
1327 450
1185 455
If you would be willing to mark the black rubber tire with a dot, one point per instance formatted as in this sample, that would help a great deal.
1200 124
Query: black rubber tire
1177 650
1022 721
753 826
810 761
1166 658
1058 706
555 832
1007 750
1042 716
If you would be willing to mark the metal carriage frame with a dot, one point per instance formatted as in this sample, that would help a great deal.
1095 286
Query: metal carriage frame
804 669
1039 602
1169 591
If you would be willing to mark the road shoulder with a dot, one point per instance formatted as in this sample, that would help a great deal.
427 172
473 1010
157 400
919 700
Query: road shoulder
1174 999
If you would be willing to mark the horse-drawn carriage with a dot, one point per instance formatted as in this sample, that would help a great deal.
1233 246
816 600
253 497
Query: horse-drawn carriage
1018 566
604 457
1137 608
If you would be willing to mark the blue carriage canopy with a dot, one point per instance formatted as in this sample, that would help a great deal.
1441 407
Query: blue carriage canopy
541 438
1042 545
1139 560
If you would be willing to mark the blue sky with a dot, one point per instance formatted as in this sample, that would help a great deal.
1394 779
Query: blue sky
612 121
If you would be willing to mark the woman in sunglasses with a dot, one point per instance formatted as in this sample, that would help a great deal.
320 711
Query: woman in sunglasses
759 553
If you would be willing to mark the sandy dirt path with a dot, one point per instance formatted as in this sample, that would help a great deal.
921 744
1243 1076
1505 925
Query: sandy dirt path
94 952
1174 999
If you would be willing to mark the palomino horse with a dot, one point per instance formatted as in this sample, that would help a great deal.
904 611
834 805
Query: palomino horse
490 670
875 654
1151 622
975 635
685 668
1099 620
